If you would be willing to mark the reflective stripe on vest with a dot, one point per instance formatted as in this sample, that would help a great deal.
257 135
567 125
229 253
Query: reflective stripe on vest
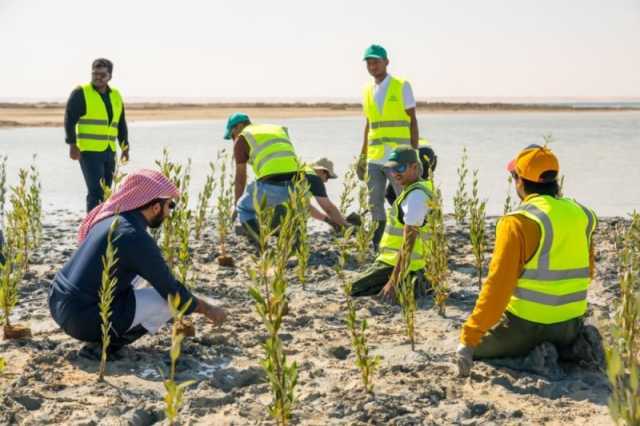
389 129
392 239
270 150
553 285
93 130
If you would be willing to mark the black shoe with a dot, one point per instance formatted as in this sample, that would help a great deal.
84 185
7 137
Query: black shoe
93 352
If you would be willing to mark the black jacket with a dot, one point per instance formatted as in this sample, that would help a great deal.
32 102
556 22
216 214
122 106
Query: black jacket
77 107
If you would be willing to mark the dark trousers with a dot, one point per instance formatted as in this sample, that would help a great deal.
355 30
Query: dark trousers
515 337
80 318
374 278
96 166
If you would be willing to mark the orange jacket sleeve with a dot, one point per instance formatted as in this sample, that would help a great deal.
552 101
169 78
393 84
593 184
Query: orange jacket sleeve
517 239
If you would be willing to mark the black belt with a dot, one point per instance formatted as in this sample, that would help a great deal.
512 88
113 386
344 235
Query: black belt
276 182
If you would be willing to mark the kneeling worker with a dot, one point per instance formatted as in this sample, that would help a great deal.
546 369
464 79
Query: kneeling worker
317 175
429 161
405 228
269 151
541 267
144 200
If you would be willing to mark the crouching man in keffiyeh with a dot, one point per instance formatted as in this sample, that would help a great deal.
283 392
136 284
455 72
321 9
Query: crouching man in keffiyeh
144 200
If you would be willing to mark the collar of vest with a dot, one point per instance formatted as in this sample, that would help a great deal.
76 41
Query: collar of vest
94 88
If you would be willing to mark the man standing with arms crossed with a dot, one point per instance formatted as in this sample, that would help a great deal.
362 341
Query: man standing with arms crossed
93 119
390 109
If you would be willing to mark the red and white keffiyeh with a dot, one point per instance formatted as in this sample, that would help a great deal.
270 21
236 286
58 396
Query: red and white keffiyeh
136 190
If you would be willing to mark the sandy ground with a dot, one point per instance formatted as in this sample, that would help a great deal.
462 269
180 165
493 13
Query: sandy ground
52 115
47 383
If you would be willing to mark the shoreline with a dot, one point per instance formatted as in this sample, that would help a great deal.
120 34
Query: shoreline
14 115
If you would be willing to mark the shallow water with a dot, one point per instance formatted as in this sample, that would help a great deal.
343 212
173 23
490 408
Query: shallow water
599 152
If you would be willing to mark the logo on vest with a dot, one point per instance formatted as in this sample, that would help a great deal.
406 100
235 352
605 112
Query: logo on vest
393 98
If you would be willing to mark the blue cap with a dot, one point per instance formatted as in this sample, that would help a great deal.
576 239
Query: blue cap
234 119
375 51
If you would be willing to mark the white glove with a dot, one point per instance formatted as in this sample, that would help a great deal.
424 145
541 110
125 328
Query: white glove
464 359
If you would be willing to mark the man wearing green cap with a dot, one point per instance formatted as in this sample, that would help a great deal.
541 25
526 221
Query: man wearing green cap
269 151
390 109
404 231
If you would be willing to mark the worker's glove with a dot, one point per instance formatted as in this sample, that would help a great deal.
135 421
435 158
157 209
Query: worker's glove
361 167
464 359
354 219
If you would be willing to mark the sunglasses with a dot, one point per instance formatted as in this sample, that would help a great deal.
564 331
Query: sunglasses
400 168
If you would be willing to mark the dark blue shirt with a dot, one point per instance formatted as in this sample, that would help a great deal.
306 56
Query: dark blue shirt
74 292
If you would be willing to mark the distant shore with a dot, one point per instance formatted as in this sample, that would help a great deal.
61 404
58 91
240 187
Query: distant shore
52 114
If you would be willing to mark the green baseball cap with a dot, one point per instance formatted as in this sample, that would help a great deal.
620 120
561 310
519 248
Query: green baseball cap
375 51
402 155
235 118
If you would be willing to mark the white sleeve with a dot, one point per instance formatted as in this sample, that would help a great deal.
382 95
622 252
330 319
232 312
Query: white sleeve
415 208
407 96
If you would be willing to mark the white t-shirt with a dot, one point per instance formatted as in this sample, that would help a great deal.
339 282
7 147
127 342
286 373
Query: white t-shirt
414 207
380 92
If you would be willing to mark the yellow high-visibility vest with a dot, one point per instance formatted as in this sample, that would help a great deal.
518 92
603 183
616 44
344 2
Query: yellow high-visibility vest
270 150
392 127
391 242
553 286
94 132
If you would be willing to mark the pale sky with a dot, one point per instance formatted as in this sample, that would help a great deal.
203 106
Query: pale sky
313 49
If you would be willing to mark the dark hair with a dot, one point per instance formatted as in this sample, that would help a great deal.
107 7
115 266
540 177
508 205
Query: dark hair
152 202
103 63
548 188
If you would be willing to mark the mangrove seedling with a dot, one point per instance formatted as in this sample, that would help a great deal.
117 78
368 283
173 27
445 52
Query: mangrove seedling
301 201
204 197
3 188
365 232
19 223
477 218
357 329
34 203
436 251
623 349
405 293
224 208
105 295
11 273
184 262
173 399
346 195
269 293
180 175
461 198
